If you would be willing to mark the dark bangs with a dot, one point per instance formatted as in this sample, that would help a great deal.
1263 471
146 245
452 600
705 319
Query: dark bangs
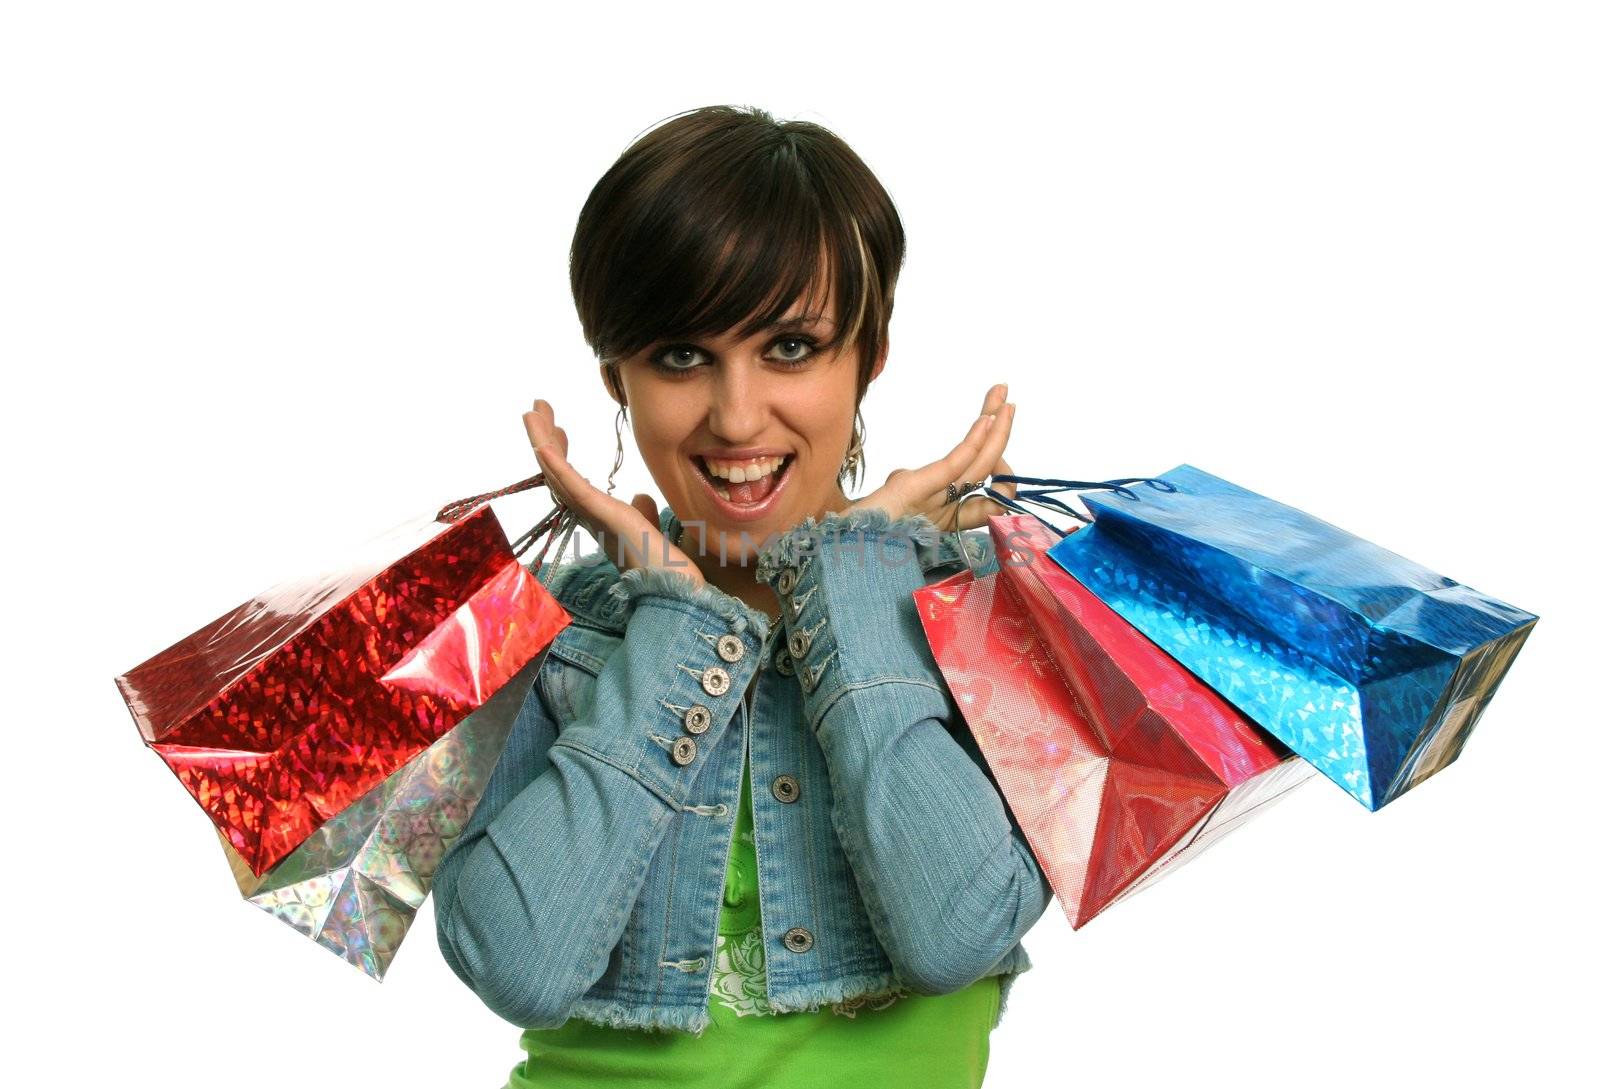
721 219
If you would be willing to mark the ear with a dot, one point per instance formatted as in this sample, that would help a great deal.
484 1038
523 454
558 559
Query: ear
612 381
883 357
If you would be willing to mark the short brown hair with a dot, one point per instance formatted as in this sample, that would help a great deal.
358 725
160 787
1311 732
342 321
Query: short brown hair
718 219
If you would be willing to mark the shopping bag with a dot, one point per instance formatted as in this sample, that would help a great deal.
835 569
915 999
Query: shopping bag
283 712
1372 667
1118 764
355 885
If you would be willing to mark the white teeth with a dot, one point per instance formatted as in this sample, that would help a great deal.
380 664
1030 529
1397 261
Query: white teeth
721 473
742 472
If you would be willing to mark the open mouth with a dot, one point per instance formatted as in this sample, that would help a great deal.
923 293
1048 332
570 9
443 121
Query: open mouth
757 478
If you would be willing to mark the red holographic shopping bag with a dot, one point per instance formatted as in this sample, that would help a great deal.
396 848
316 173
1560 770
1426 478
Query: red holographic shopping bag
1118 764
291 707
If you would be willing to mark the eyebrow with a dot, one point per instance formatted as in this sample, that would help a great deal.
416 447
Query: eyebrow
775 326
796 323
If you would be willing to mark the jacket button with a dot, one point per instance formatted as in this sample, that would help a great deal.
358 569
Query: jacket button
715 680
786 580
799 643
797 939
786 788
730 648
782 662
697 720
808 678
684 751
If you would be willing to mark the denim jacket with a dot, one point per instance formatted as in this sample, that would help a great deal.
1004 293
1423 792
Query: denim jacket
588 881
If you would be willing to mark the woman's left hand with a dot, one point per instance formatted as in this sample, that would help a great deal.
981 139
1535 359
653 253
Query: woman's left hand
975 457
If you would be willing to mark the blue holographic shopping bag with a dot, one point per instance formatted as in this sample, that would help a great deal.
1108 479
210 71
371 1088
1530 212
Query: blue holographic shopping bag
1371 667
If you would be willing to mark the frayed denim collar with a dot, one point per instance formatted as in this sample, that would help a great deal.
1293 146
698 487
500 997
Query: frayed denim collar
595 592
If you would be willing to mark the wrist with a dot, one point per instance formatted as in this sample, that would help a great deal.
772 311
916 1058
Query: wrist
683 583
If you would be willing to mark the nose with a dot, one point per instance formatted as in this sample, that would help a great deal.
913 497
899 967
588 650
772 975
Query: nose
739 402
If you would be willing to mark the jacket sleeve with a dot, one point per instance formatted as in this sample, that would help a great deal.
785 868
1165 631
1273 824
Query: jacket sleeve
948 881
534 895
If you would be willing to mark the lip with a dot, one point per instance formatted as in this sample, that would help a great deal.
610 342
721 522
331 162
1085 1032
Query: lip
743 453
754 513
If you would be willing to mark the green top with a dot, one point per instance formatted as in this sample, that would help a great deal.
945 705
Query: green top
910 1040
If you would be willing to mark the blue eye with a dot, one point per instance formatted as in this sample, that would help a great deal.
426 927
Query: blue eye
683 358
677 358
806 343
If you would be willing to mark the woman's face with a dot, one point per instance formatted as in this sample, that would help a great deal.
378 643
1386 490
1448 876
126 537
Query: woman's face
745 435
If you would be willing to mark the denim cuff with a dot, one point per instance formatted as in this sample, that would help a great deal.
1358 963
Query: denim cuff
638 583
665 697
845 586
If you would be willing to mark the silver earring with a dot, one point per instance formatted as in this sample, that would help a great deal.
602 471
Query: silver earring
611 480
853 456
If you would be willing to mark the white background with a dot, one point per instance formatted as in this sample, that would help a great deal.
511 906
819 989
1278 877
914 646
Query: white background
276 277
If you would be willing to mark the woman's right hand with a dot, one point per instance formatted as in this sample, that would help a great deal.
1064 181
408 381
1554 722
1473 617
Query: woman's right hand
629 534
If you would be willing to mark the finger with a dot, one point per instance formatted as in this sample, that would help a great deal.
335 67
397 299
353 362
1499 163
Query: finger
646 505
551 466
573 491
954 467
981 437
987 462
547 428
539 438
538 425
541 430
935 476
615 525
536 428
1009 490
993 401
923 490
983 509
564 481
992 446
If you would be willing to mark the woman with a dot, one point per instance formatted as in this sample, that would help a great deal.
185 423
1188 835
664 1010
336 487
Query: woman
738 803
